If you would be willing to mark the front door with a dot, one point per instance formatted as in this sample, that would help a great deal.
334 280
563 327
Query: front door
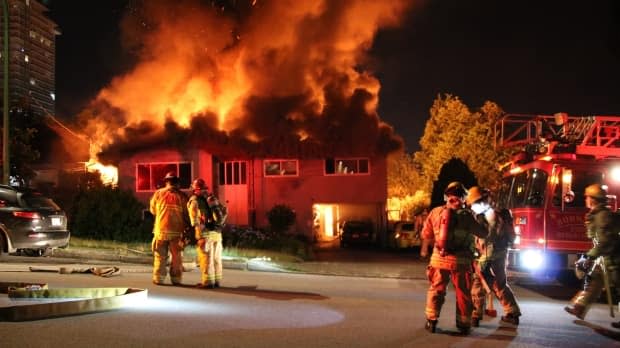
233 190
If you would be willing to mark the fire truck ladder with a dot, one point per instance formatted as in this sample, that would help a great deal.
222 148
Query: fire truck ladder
598 136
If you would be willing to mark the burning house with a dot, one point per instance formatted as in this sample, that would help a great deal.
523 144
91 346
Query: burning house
267 101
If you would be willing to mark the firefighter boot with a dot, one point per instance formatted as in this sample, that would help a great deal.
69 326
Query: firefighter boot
510 319
463 330
475 322
577 310
431 325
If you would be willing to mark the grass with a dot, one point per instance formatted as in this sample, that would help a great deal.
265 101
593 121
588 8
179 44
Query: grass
190 251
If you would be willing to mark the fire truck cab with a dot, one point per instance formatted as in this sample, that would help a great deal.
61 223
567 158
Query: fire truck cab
543 184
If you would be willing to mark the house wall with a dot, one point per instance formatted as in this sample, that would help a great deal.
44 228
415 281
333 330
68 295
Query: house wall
358 196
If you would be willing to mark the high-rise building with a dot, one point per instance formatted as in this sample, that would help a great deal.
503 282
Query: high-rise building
32 57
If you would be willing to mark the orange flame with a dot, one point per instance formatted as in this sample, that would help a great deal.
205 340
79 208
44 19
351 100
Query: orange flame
197 60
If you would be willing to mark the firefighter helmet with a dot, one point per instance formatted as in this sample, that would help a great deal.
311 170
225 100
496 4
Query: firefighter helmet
455 188
199 184
476 193
171 177
596 191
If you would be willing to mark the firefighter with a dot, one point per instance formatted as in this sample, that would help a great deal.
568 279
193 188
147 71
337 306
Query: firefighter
207 217
602 257
450 229
168 206
490 266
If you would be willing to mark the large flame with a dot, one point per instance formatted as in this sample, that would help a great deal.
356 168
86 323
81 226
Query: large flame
257 69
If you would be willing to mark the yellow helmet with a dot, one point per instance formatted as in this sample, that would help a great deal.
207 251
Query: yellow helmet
455 188
475 194
596 191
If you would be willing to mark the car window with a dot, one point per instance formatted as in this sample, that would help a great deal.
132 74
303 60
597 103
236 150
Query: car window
37 201
8 198
408 227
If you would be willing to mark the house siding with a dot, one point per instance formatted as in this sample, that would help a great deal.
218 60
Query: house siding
356 196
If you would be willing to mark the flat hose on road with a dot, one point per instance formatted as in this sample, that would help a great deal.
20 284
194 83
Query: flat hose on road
83 300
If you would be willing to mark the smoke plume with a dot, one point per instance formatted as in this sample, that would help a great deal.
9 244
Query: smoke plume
267 78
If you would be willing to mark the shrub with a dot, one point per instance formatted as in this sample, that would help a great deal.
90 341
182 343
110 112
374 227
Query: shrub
237 237
281 217
109 213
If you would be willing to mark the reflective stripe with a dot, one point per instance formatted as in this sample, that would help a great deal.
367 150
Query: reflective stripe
90 300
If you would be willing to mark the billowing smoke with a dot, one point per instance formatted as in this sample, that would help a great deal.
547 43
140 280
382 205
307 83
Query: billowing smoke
268 78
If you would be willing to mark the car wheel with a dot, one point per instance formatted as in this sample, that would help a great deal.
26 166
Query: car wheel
34 252
3 245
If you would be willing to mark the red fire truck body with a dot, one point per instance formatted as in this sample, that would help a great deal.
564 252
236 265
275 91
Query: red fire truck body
543 185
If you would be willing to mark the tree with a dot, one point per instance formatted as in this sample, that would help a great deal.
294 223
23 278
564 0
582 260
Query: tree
403 175
455 132
22 153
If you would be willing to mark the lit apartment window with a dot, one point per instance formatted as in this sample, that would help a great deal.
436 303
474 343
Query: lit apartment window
33 34
150 176
347 166
26 59
281 168
53 95
32 81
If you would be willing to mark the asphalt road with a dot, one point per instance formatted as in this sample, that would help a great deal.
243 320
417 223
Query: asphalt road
283 309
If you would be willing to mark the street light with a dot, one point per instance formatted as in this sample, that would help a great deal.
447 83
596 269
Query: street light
6 168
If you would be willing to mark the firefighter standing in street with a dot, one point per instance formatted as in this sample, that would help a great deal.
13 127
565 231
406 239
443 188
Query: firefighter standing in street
207 216
490 267
168 206
451 229
603 257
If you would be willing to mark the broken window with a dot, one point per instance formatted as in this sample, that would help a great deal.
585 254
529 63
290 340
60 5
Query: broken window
150 176
347 166
281 167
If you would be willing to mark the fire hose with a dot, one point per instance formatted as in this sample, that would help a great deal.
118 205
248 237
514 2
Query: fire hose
71 301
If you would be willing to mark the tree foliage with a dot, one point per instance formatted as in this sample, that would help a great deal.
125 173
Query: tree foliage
455 131
22 153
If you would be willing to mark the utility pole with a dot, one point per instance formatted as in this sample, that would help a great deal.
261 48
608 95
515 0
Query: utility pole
6 167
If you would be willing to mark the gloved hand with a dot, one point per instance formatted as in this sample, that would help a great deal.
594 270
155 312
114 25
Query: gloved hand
584 263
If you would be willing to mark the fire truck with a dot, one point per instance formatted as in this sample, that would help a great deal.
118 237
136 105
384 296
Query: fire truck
543 184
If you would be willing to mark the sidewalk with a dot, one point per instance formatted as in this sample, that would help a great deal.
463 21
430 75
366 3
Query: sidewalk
409 270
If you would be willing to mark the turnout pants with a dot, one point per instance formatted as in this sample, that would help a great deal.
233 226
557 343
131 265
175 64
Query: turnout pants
494 273
436 294
161 249
209 252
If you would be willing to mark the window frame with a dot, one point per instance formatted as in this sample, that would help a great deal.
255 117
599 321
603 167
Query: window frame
153 183
357 160
281 162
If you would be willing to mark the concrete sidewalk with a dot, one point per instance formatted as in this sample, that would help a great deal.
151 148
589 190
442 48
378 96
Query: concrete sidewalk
409 270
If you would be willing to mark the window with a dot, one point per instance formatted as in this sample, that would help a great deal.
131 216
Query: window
347 166
525 189
281 167
233 173
150 176
580 180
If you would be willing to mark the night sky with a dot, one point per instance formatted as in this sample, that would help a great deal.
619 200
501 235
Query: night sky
531 57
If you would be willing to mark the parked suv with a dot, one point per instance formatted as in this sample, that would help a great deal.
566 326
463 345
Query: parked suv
404 235
356 232
30 223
